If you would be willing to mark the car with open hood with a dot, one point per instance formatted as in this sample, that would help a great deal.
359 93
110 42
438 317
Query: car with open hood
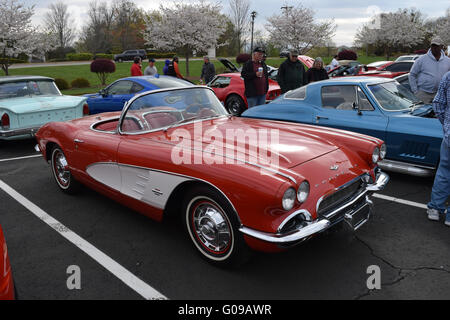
28 102
378 107
235 183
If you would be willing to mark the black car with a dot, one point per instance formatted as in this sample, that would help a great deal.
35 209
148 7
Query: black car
129 55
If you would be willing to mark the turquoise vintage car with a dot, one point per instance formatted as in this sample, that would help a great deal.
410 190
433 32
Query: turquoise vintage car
28 102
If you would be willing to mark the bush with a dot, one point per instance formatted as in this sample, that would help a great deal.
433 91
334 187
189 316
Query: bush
161 55
243 58
62 84
59 53
103 56
79 56
102 67
80 83
347 55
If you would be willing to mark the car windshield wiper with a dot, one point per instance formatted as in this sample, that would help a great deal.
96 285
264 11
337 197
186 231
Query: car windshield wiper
187 120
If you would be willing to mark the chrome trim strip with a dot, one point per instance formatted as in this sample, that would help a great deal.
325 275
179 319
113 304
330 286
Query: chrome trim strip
406 168
333 213
382 180
293 215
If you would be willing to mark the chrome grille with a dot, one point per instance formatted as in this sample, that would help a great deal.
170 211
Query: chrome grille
340 197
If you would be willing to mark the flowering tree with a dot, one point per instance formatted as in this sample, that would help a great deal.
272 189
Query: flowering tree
401 28
295 28
17 35
191 27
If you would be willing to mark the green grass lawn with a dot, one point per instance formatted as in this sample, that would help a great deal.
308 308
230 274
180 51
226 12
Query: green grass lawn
70 73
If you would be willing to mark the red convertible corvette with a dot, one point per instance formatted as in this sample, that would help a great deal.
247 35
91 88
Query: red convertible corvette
6 280
177 151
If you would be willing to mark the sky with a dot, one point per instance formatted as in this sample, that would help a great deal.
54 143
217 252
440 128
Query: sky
348 15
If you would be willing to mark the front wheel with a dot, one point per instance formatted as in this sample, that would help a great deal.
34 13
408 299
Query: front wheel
213 228
235 105
61 172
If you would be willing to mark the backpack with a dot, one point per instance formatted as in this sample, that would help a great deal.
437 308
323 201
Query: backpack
171 70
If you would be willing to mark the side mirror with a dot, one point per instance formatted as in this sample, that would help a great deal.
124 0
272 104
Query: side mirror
103 92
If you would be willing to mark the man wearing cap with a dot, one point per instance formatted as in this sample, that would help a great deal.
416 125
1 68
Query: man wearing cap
151 69
291 74
208 70
256 78
428 70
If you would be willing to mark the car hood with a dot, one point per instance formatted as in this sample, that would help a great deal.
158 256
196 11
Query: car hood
37 104
292 147
229 65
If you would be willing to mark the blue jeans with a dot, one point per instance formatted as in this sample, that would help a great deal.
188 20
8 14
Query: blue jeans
256 101
441 187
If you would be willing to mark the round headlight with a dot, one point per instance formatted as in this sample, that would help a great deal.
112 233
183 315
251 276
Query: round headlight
376 155
303 192
383 151
289 199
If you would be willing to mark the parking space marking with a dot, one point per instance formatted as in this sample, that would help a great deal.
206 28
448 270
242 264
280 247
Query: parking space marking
407 202
20 158
108 263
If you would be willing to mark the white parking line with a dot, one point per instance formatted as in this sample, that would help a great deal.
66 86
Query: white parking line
109 264
407 202
20 158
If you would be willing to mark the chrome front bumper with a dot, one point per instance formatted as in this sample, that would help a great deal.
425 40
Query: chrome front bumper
19 132
320 225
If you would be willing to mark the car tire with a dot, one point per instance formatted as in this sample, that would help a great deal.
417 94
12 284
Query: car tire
235 105
213 228
120 60
61 173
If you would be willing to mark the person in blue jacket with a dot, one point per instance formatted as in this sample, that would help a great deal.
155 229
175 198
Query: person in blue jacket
166 67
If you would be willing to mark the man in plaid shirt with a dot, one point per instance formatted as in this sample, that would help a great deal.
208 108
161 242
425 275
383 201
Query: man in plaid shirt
441 187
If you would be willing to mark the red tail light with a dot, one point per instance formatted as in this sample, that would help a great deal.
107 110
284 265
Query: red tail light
5 121
85 109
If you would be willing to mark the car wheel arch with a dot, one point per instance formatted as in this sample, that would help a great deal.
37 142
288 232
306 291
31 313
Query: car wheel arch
174 203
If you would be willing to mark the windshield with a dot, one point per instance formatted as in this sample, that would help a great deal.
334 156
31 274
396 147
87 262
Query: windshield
28 88
168 108
167 82
392 96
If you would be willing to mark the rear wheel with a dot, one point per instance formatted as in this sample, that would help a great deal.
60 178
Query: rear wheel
61 172
212 227
235 105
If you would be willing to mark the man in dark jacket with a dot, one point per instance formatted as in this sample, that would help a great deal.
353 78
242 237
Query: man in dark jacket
208 70
256 78
291 74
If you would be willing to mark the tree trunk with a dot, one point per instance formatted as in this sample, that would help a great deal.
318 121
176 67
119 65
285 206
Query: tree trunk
187 62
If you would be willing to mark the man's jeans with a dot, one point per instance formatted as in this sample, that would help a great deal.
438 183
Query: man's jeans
441 187
256 101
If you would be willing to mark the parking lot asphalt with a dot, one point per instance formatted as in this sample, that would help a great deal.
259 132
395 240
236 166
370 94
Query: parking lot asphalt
413 254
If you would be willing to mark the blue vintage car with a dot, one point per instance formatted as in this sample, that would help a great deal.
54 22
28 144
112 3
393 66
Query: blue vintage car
379 107
28 102
113 97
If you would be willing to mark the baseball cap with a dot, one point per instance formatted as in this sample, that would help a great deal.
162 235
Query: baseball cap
293 52
437 41
259 49
151 60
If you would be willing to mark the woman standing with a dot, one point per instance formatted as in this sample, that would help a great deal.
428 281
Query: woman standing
316 72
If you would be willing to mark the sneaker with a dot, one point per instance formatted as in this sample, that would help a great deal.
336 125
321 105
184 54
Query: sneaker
433 214
447 219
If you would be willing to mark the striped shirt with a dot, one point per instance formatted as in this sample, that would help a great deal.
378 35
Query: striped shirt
441 105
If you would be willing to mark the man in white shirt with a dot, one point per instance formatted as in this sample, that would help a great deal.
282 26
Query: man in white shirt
151 69
334 62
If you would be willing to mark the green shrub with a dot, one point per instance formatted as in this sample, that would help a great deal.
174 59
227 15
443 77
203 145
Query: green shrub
80 83
104 56
160 55
62 84
84 56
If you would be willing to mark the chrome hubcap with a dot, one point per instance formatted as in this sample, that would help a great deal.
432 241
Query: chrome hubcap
211 227
62 169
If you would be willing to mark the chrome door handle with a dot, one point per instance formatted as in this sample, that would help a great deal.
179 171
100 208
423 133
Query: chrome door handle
320 117
78 141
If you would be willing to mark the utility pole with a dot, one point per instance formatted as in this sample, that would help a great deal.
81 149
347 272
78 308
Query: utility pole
253 15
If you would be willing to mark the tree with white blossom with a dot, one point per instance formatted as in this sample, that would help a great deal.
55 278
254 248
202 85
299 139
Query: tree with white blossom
191 27
296 28
403 28
18 35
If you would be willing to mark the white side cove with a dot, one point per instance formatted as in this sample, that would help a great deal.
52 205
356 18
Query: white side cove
146 185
